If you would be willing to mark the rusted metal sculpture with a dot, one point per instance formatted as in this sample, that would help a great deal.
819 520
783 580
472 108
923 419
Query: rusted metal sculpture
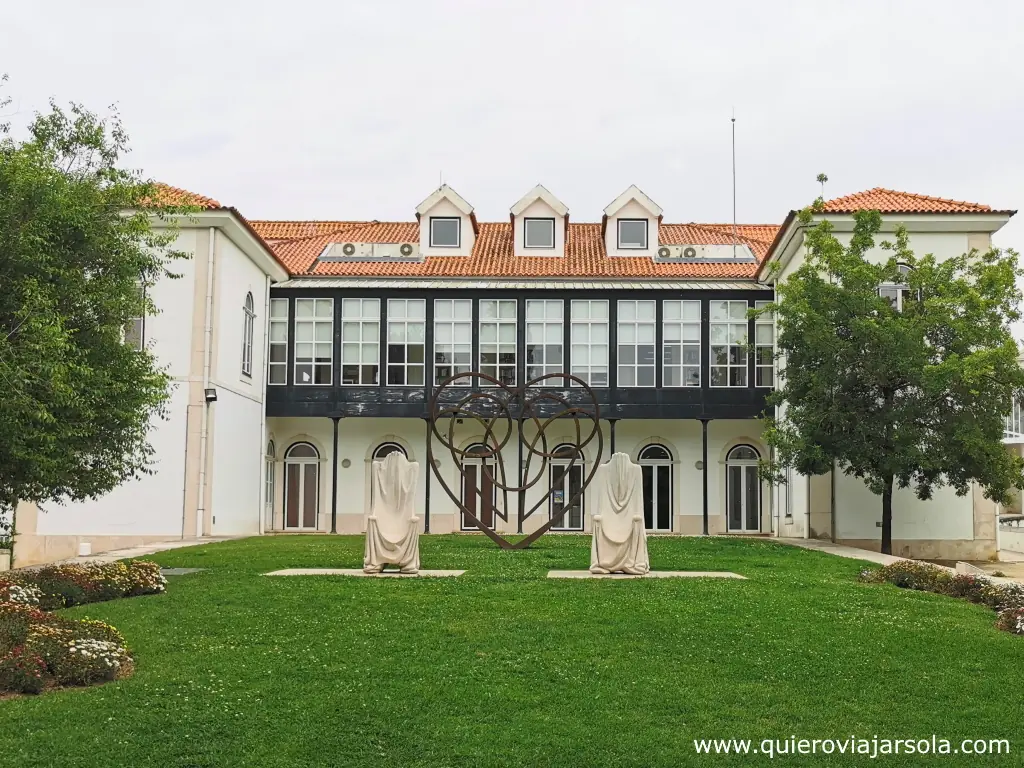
494 406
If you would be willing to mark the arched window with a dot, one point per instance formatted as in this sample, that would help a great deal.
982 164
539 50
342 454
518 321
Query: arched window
301 487
385 449
248 322
742 490
269 485
897 293
566 479
656 466
478 491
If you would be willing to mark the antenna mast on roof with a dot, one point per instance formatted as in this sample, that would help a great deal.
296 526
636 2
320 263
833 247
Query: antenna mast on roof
734 182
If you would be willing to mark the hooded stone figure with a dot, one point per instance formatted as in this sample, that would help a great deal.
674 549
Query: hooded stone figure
392 530
620 540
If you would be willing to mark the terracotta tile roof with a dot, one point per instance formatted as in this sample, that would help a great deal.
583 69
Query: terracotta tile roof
298 243
169 195
892 201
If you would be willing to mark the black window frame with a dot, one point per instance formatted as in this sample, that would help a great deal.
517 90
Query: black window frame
526 244
458 239
618 235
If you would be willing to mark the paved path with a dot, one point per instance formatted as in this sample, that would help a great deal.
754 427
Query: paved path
842 551
146 549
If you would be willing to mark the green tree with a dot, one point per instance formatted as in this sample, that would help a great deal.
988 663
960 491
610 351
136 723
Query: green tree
902 387
76 246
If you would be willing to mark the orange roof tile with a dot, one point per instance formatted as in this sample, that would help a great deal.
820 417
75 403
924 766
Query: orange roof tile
892 201
168 195
298 244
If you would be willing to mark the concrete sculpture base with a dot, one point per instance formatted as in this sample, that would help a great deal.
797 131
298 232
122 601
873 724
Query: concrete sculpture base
619 544
648 575
392 530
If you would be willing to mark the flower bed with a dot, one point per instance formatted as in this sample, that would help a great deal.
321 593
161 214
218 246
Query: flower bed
1006 599
40 649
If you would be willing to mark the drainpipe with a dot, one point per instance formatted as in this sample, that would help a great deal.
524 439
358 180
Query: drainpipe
207 357
262 506
807 506
999 548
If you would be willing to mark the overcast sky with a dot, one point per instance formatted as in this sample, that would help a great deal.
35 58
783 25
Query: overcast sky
354 109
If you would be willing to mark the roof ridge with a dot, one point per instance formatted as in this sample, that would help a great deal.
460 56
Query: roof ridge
933 198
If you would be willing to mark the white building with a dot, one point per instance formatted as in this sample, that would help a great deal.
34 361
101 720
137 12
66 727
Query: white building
283 335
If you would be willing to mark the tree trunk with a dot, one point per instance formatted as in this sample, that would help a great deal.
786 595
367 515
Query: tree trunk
887 517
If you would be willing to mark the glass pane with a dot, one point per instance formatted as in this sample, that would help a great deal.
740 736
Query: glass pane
627 354
303 331
648 477
396 332
599 310
442 309
580 310
753 499
645 310
279 308
691 377
488 309
673 377
627 311
278 353
351 308
540 233
415 374
645 377
763 334
416 308
664 475
415 331
444 232
534 309
304 307
369 353
309 496
278 332
291 492
719 310
507 309
672 332
349 332
632 234
738 310
645 333
627 376
463 309
672 310
396 308
691 310
324 307
735 494
507 332
488 332
415 353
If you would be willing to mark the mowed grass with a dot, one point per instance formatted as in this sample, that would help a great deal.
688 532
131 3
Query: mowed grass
503 666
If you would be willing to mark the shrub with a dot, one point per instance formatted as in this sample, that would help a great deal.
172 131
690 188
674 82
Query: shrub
71 584
85 661
967 587
999 597
26 594
21 671
37 646
1011 620
911 574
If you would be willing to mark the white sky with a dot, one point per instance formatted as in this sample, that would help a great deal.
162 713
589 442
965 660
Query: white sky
353 109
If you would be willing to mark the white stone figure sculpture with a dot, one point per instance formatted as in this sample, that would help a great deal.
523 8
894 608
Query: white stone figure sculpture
392 530
620 540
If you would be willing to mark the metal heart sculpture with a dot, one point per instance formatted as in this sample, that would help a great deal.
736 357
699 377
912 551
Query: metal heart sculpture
494 407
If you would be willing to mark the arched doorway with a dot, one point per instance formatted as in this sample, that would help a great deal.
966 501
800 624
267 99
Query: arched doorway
566 479
269 485
742 490
301 487
656 466
477 489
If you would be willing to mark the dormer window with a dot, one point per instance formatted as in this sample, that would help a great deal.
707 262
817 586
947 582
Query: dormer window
445 232
632 234
631 225
539 233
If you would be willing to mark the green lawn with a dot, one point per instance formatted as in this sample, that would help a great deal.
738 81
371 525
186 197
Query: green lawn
505 667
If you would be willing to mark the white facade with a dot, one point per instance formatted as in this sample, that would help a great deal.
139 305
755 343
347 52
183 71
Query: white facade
182 497
213 476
